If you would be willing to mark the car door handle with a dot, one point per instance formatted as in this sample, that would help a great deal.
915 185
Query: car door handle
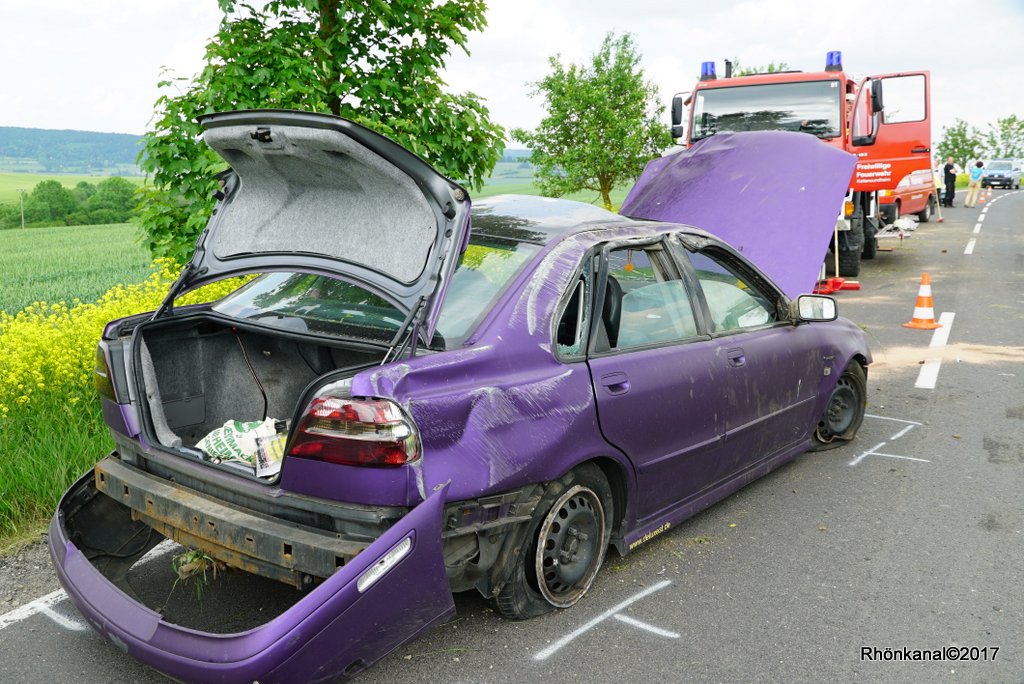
615 383
736 357
915 150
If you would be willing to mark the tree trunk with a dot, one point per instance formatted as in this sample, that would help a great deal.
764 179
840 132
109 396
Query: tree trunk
328 25
605 184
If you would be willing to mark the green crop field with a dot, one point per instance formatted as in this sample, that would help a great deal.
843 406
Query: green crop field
528 188
65 262
11 183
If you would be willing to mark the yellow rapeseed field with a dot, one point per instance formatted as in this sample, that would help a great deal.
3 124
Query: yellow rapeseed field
51 430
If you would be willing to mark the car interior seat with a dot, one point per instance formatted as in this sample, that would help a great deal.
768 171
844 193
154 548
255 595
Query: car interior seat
611 312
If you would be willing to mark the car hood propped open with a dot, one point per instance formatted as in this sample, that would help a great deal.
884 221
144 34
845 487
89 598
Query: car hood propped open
773 195
313 192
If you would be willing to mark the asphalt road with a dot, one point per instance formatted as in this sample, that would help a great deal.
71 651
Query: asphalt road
911 537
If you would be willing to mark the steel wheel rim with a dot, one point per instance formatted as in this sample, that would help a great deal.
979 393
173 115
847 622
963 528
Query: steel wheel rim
570 546
841 411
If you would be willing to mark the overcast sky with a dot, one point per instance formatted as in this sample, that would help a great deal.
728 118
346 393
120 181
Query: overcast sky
94 64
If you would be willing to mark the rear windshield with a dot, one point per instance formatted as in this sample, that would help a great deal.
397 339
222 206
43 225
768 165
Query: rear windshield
300 302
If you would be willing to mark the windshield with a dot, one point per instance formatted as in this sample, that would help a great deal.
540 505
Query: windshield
810 107
999 166
321 305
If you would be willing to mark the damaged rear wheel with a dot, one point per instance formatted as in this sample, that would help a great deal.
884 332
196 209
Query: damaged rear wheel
844 411
565 547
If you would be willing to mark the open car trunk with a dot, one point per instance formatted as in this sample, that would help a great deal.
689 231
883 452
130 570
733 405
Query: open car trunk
393 590
200 372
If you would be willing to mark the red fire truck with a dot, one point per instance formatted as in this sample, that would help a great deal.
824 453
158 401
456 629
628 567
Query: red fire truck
884 120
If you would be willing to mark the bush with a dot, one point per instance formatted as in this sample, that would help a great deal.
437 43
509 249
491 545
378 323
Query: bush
51 429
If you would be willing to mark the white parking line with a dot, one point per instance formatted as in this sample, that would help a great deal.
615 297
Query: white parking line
969 249
929 374
555 647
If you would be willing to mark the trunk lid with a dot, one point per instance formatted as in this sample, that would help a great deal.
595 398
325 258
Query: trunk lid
773 195
318 193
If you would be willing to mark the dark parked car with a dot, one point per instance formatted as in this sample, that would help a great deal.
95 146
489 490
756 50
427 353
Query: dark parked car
1001 173
433 408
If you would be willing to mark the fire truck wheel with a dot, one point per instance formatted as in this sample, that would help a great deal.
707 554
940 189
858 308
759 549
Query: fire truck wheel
849 263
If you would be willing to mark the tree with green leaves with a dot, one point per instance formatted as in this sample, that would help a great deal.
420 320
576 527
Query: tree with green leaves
113 201
49 203
602 124
1005 138
376 62
960 141
773 67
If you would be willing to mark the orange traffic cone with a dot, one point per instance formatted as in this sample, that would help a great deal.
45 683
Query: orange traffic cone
981 195
924 314
990 192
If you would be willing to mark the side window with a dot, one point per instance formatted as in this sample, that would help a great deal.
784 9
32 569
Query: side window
645 302
904 98
733 302
571 333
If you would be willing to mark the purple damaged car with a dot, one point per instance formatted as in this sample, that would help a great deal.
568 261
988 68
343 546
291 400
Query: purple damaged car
399 406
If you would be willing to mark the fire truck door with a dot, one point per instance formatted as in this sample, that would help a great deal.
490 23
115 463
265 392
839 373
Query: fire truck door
890 129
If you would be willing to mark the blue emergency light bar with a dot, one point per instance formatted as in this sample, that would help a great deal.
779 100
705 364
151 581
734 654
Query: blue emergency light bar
834 61
707 71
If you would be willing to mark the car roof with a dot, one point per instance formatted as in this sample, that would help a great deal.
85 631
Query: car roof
540 220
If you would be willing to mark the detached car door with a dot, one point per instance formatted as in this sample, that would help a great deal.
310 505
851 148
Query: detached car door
769 369
655 377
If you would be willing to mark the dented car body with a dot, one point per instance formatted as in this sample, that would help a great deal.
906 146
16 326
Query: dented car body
485 408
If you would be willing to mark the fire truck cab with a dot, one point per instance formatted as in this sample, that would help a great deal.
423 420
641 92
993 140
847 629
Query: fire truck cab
884 120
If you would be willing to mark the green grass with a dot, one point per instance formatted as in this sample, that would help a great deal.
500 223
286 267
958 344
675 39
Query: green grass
65 262
11 183
528 188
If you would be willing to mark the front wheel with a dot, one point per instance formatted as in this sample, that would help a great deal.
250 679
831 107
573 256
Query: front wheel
925 215
565 547
844 411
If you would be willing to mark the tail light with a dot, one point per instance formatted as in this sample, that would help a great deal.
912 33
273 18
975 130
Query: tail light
885 193
101 377
355 431
847 208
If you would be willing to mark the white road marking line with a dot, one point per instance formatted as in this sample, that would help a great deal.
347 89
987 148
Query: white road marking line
867 453
66 623
982 217
898 420
555 647
929 374
941 335
977 228
43 603
969 249
643 625
902 432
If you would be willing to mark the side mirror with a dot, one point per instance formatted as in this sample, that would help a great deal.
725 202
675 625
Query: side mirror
677 111
813 308
876 96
